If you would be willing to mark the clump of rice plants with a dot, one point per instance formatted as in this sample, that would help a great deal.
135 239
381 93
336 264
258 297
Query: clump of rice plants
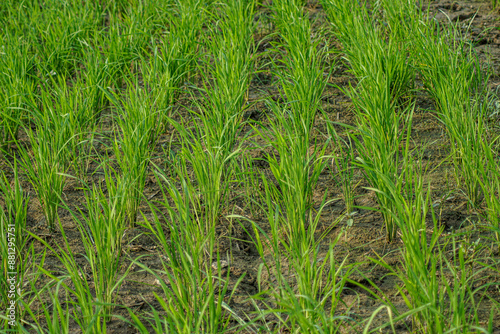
17 85
385 77
453 76
101 228
138 126
47 163
343 169
210 144
14 244
194 289
101 225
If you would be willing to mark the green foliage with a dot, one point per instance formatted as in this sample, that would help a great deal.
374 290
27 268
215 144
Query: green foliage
453 76
17 82
197 301
14 244
96 91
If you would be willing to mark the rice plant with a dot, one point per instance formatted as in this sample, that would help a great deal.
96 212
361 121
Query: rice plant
303 73
343 169
165 74
17 81
403 18
57 27
47 163
194 290
366 50
296 170
85 310
56 316
309 282
138 126
98 73
186 19
101 228
77 109
453 76
490 185
14 242
425 286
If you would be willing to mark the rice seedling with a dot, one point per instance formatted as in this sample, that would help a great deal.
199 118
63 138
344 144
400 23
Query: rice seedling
101 226
296 171
165 74
17 82
73 105
308 283
102 229
379 144
343 162
370 56
453 76
426 288
121 51
402 18
410 209
139 126
303 74
186 19
302 79
490 185
98 73
14 242
56 316
163 78
47 164
57 27
86 311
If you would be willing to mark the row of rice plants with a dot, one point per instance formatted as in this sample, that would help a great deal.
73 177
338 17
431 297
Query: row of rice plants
309 280
143 113
382 111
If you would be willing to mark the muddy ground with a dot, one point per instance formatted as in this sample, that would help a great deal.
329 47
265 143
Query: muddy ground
364 239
